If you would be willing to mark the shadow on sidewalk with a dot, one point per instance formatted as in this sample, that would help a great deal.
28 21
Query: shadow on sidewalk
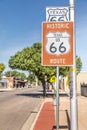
68 119
60 127
67 127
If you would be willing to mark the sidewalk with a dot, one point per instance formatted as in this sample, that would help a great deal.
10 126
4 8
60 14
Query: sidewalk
46 118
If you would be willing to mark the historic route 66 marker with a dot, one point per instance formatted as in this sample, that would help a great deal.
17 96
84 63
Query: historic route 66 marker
57 47
57 43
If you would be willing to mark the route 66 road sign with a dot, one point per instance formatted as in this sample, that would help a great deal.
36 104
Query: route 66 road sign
57 14
57 44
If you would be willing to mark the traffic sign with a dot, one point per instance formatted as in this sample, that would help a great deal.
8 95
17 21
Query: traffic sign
57 14
53 79
57 44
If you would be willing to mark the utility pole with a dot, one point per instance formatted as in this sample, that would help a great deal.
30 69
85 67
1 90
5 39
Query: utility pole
73 84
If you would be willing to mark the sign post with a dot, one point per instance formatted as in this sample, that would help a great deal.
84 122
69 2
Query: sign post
55 14
73 88
57 99
57 50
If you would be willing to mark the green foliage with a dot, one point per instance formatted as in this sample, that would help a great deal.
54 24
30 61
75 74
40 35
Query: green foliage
31 77
15 74
78 64
29 59
2 67
63 70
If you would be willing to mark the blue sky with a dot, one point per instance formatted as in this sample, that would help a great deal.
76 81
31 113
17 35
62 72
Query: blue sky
20 26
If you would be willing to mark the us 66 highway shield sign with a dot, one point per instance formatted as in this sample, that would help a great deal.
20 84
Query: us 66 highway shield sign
57 44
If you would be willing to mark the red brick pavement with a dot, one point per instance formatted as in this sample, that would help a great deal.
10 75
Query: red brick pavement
46 119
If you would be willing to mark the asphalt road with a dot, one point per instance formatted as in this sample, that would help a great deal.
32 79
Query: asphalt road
16 106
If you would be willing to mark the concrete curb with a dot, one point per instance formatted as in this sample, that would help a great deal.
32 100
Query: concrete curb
35 119
6 89
29 124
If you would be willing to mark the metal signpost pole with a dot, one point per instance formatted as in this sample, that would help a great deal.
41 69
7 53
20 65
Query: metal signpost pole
73 96
57 89
56 44
57 99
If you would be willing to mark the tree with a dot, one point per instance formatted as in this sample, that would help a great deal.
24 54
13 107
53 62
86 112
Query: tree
31 77
29 59
2 67
78 64
15 74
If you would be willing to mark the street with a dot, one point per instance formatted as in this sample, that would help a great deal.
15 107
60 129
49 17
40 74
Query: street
16 106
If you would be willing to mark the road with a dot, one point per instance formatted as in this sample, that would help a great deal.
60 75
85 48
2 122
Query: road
16 106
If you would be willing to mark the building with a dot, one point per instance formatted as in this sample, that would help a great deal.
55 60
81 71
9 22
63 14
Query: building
81 78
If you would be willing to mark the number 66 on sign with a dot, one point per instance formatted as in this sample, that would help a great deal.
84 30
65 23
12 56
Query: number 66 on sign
57 44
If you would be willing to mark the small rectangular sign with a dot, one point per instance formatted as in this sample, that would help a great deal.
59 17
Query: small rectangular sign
57 44
55 14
